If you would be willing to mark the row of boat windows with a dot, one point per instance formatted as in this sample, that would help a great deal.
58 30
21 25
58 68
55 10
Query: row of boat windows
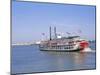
59 47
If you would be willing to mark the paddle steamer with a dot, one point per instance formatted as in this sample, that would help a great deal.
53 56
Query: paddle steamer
69 43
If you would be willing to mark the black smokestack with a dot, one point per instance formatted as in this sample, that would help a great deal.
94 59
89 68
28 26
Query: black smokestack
50 32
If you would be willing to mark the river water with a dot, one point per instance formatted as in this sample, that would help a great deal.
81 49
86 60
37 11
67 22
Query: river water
29 59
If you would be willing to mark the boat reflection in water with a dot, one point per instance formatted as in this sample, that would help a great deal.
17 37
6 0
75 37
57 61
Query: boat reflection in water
72 60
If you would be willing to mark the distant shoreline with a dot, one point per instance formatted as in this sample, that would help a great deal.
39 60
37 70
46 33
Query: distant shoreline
23 44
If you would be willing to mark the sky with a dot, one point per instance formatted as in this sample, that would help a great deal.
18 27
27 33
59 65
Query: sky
31 19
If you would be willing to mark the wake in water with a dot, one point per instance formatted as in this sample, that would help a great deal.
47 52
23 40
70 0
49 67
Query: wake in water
88 50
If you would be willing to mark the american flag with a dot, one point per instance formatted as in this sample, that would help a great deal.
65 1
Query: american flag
79 31
68 33
43 33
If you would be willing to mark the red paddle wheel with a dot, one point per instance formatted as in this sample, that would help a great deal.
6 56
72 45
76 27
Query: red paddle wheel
84 44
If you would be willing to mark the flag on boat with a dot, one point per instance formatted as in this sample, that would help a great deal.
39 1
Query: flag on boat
79 31
43 33
68 33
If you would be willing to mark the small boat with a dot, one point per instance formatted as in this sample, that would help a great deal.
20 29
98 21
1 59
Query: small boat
70 43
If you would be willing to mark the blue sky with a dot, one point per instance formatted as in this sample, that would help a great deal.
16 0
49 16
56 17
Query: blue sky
30 20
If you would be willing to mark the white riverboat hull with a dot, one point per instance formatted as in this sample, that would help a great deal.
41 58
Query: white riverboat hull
61 50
